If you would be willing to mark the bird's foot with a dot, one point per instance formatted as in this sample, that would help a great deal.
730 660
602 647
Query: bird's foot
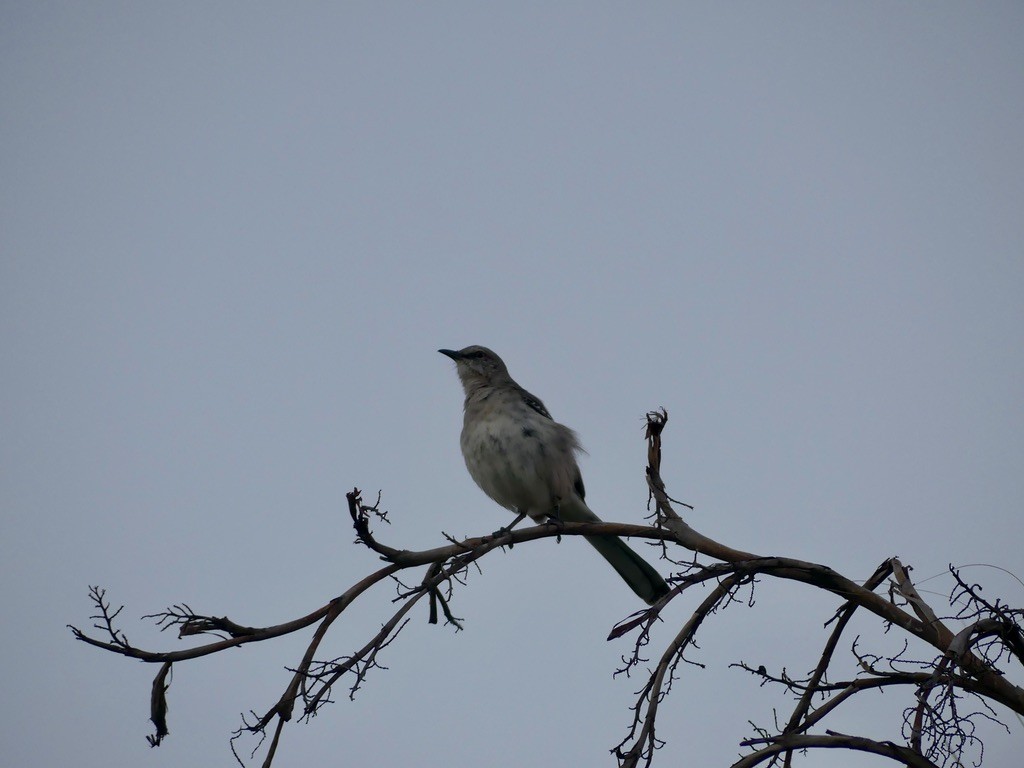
508 528
556 521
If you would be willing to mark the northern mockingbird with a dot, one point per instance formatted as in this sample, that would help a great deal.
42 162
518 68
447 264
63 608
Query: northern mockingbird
526 461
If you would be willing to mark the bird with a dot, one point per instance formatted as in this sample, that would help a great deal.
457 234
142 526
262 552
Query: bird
526 461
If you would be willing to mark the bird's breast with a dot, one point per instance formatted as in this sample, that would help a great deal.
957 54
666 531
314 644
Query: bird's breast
512 459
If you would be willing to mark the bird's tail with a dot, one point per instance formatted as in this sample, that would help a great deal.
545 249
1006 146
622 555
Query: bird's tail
640 575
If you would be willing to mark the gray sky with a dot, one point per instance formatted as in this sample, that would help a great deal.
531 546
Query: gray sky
233 238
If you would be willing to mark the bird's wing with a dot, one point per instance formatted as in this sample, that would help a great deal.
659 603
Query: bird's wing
534 402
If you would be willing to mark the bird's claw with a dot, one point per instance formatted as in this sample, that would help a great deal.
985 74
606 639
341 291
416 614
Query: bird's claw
556 521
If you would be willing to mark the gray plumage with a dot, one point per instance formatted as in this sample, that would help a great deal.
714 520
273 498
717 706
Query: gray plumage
526 461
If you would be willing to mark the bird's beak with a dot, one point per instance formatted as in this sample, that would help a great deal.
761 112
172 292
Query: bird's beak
451 353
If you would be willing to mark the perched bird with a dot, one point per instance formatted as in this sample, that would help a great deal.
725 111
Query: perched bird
526 461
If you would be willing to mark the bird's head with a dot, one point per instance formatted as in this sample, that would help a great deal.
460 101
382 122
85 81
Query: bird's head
477 366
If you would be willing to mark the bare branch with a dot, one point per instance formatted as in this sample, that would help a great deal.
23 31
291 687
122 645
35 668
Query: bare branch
158 705
832 740
937 725
645 742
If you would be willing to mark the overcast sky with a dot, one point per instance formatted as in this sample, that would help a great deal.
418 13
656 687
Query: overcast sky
233 238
